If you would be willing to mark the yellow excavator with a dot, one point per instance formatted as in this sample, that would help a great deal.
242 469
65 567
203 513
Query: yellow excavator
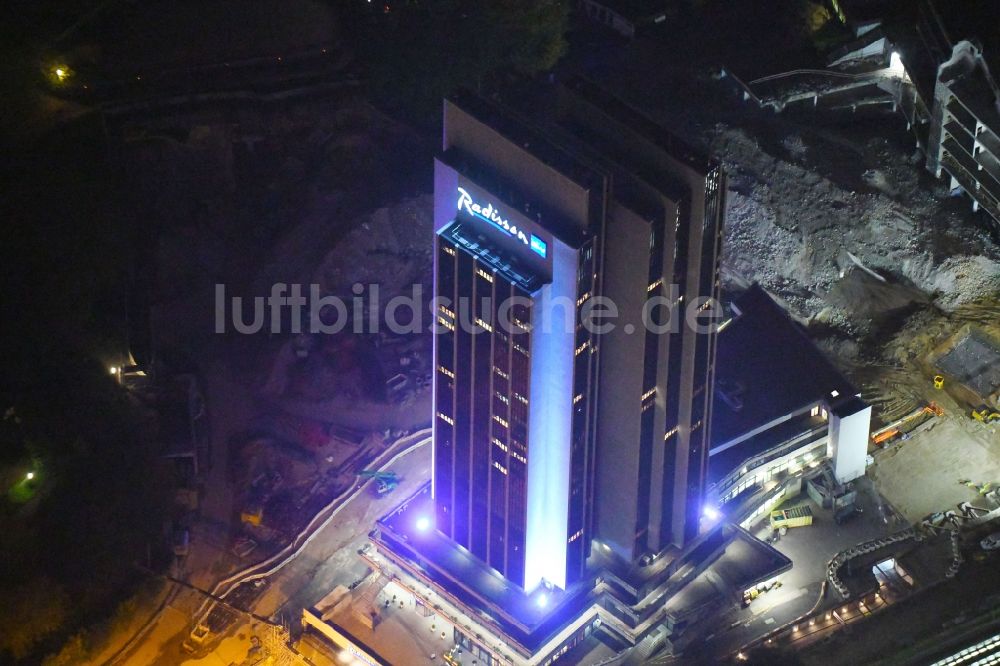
985 413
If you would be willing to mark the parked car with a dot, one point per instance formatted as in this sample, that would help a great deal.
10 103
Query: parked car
992 542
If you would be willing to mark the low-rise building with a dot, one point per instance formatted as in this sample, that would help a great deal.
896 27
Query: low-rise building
625 17
782 409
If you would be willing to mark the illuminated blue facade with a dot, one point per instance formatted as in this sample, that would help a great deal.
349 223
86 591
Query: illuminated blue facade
503 426
550 423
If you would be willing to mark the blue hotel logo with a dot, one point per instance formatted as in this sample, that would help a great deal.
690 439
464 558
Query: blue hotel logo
538 245
492 215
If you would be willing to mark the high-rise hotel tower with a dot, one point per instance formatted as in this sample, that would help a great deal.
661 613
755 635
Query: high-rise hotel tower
550 434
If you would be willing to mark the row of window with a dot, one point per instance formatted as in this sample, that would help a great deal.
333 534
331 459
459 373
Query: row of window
447 324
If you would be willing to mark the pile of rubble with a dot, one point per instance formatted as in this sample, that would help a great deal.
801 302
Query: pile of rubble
842 248
391 247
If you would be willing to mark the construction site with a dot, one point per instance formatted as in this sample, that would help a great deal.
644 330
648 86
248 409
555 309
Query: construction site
893 274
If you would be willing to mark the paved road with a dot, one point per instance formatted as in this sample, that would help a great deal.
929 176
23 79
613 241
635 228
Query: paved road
331 558
327 560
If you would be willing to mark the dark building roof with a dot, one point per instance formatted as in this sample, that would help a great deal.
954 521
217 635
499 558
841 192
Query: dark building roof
523 132
629 116
768 368
635 9
861 11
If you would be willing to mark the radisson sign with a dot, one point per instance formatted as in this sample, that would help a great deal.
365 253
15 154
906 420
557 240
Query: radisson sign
491 214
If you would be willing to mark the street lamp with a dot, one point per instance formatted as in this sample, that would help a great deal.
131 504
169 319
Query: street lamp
60 73
29 476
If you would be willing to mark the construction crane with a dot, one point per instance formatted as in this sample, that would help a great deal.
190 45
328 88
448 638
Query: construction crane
387 481
883 435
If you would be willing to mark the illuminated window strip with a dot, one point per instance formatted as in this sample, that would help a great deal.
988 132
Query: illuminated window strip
503 470
446 372
447 419
447 324
965 656
483 274
499 419
484 324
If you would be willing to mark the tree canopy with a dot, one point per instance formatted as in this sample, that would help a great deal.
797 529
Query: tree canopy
418 52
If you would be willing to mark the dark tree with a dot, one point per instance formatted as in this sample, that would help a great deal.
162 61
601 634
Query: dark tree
417 52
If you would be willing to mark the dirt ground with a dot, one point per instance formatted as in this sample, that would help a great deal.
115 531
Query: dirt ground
921 475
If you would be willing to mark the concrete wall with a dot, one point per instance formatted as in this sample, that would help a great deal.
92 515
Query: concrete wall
849 444
622 357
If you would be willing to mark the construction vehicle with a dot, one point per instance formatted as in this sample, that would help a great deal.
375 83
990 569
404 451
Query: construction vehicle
985 413
938 382
798 516
387 481
253 514
759 589
891 431
982 489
